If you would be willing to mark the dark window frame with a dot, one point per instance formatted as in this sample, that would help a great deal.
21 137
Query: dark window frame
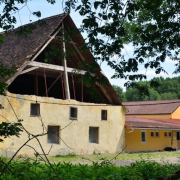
37 114
57 135
72 113
104 114
96 139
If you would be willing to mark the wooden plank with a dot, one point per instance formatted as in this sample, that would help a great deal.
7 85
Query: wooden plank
56 67
29 69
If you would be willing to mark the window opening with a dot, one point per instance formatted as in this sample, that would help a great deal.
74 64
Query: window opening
94 135
157 134
165 134
35 109
73 113
53 134
152 133
143 137
170 134
178 136
104 115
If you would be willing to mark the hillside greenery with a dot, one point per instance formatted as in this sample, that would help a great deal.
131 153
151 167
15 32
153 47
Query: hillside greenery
168 89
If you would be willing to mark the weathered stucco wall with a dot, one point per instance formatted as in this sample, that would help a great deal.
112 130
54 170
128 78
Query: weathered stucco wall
56 112
133 141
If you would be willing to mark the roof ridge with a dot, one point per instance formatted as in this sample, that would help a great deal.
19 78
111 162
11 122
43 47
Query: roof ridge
46 18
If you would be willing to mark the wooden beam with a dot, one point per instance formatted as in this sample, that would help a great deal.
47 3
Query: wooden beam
9 81
101 87
66 82
56 67
44 46
29 69
105 93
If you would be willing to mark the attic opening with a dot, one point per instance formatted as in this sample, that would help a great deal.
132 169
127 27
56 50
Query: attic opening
45 76
33 83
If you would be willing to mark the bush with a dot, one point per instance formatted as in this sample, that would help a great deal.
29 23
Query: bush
29 169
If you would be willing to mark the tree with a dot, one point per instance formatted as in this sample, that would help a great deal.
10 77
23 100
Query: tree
151 26
119 92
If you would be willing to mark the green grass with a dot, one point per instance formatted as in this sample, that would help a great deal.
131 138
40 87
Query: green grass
124 156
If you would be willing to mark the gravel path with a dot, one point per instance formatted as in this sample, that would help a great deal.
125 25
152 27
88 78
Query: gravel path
170 160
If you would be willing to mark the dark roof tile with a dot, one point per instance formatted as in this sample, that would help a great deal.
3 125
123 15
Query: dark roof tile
137 122
152 107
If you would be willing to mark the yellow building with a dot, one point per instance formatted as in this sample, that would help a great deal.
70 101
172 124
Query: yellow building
54 100
144 134
152 125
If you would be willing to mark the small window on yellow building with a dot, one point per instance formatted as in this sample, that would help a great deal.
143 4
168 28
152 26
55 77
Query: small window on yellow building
157 133
143 137
152 133
165 134
170 134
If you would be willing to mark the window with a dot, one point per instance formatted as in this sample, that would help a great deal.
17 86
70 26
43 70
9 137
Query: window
35 109
104 115
143 137
152 133
157 133
165 134
94 135
73 113
53 134
170 134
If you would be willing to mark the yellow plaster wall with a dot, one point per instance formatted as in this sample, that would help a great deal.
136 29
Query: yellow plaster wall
176 114
133 141
165 116
75 135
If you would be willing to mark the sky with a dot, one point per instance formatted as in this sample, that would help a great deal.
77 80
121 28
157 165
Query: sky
25 15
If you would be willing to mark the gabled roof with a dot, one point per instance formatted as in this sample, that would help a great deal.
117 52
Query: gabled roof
147 123
152 107
17 50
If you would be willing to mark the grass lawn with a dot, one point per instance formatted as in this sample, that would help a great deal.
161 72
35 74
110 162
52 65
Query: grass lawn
124 156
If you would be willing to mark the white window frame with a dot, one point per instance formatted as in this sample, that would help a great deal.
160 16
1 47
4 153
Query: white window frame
158 134
145 136
171 134
153 134
167 134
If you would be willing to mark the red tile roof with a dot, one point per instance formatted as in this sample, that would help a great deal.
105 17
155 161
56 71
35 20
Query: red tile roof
152 107
143 123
